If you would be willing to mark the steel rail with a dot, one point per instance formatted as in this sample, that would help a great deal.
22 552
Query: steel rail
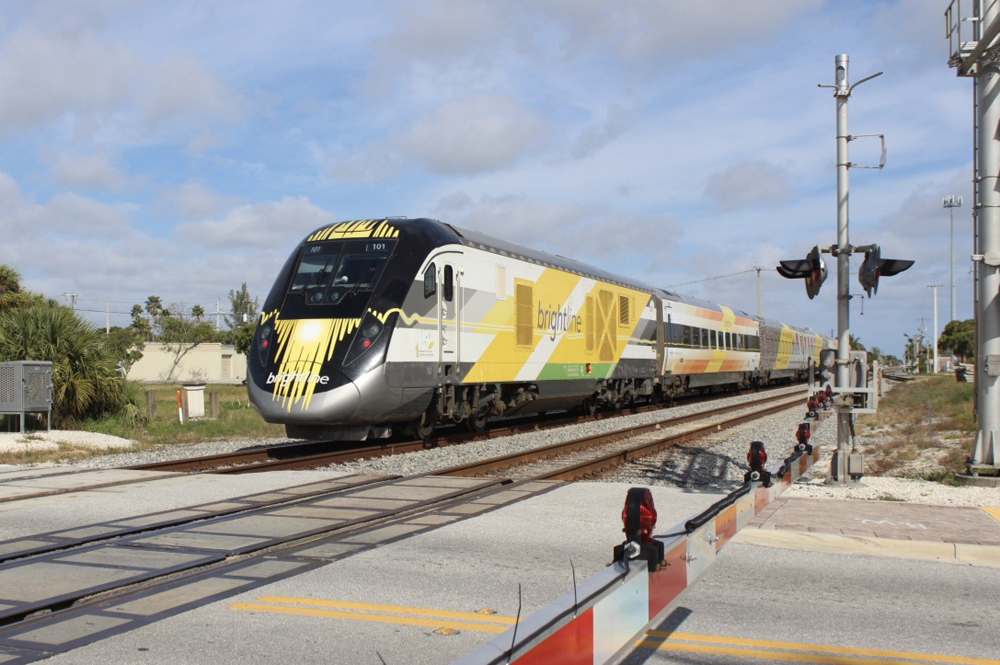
263 459
495 464
597 466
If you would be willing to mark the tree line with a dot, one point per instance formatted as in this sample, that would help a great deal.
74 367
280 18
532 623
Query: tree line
89 366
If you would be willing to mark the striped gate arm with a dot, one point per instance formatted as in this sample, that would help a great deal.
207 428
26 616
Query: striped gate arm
604 615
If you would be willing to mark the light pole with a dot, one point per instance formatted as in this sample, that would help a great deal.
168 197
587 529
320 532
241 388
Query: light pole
952 202
935 287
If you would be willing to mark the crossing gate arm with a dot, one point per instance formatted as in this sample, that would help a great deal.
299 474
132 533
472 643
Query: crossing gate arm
604 616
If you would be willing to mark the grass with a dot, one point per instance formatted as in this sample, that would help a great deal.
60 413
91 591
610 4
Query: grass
923 429
237 420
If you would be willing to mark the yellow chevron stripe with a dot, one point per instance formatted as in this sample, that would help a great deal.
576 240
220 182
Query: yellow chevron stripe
303 346
728 318
364 228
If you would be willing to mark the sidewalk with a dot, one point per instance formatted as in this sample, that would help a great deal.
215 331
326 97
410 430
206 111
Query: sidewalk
958 534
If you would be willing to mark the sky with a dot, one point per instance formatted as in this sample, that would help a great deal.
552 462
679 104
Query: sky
180 149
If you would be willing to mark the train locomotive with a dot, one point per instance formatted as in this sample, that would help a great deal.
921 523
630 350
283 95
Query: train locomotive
376 326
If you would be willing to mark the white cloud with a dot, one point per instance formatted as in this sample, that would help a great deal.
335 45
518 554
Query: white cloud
8 188
82 216
100 85
642 32
262 225
22 220
95 171
193 200
616 123
747 184
185 90
578 231
471 135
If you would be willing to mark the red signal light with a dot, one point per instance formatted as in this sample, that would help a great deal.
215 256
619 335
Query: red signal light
804 433
366 343
639 515
757 457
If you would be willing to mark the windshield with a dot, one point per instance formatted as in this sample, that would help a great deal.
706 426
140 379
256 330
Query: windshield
332 272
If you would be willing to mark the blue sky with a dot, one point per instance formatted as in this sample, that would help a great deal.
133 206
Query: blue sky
179 149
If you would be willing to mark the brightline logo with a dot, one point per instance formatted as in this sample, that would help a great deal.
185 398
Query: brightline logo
296 377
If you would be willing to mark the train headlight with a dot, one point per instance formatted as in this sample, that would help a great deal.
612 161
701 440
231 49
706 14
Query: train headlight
264 342
369 331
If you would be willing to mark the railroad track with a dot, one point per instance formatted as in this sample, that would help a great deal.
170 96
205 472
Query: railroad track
194 552
212 552
590 456
314 455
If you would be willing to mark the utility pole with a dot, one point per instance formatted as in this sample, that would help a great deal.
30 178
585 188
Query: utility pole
758 269
218 314
976 58
935 287
71 299
952 202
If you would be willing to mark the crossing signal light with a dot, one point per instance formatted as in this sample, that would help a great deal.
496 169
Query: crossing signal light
874 266
812 269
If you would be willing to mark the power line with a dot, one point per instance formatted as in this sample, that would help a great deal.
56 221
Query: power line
709 279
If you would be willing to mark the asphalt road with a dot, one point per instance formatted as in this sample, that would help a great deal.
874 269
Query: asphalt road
835 608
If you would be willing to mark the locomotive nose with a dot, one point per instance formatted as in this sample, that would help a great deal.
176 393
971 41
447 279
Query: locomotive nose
295 400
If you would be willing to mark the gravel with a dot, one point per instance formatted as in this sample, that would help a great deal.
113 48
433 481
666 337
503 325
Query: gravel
713 464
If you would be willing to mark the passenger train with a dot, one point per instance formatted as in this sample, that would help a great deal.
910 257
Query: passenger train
376 326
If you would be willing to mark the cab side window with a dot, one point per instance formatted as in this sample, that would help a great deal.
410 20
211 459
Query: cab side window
430 281
449 283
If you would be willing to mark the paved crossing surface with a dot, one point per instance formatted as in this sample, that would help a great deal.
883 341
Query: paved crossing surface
811 580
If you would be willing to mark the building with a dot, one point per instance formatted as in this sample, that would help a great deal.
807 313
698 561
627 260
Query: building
180 363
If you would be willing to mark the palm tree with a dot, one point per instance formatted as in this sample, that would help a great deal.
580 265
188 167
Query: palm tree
10 288
197 312
85 382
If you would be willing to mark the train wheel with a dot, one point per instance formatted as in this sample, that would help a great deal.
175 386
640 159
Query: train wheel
423 427
589 406
477 421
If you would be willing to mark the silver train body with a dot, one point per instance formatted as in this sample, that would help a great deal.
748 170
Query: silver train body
398 324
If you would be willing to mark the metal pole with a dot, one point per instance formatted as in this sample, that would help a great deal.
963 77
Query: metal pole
988 339
839 463
952 202
951 245
759 315
935 287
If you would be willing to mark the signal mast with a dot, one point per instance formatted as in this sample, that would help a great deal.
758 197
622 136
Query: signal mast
847 465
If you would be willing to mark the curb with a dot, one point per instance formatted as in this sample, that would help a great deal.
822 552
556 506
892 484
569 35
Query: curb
959 553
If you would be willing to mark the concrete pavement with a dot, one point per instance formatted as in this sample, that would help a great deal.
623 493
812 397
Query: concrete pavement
959 534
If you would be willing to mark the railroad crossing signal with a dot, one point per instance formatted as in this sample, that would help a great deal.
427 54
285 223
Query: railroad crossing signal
812 269
874 266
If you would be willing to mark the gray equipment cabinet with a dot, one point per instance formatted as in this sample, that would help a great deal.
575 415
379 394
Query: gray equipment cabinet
26 387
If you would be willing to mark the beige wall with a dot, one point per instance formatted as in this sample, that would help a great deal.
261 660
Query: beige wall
211 363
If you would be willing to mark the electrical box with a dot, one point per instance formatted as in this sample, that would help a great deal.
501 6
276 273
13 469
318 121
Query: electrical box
26 387
855 465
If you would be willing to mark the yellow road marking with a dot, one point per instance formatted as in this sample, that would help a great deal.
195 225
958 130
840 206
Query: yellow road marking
654 639
365 612
399 609
376 618
992 512
769 655
660 641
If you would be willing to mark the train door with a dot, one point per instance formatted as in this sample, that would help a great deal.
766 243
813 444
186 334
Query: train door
661 341
449 317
